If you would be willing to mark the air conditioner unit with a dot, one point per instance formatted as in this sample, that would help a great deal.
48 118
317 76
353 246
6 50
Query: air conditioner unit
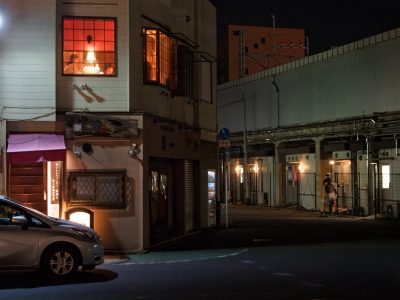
341 155
362 156
293 158
384 153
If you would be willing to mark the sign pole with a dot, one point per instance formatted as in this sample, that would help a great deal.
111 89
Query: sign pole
225 143
226 186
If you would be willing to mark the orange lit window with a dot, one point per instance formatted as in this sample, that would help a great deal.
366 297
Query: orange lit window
157 57
89 46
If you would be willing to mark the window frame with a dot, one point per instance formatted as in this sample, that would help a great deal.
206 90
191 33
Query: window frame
103 58
157 67
98 188
185 72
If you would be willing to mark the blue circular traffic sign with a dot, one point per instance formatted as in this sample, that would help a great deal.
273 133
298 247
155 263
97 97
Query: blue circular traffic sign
224 133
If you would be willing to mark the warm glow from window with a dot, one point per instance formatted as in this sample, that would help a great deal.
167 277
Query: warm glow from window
385 176
89 45
157 57
80 218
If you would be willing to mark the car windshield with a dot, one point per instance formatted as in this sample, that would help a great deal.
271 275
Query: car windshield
33 210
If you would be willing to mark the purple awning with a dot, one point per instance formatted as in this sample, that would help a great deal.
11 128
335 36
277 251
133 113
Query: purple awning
35 147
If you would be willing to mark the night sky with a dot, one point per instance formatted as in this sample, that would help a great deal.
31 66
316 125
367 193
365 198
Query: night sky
327 23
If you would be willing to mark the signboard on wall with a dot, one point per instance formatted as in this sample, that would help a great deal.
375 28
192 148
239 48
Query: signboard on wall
83 124
53 188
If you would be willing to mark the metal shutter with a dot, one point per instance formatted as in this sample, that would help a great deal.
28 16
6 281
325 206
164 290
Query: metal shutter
189 195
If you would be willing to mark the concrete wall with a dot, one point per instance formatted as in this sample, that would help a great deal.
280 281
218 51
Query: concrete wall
108 93
27 60
323 87
120 228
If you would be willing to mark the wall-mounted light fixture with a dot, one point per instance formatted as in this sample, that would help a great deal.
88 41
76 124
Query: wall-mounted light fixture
85 87
73 86
77 154
188 18
133 151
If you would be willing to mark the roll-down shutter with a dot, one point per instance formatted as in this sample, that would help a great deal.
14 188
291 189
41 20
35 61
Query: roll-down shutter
189 195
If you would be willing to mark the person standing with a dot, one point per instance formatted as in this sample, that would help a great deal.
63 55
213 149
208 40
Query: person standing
331 195
328 178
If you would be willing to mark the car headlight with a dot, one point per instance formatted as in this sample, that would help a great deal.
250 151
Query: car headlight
83 232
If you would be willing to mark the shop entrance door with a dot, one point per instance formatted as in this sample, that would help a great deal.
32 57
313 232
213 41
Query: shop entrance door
161 201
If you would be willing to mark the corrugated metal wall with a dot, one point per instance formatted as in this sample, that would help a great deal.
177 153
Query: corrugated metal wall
189 195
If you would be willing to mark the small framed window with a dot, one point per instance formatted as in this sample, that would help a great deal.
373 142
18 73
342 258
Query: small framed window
246 49
262 40
88 46
255 46
97 188
157 57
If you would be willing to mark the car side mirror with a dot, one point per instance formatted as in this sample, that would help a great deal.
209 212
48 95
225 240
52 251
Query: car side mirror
19 220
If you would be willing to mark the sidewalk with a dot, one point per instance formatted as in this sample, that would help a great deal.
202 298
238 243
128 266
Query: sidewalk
216 241
114 258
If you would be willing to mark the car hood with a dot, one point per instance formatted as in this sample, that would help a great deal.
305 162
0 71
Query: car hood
70 224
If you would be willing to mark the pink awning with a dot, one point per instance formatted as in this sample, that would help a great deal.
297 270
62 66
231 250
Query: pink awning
35 147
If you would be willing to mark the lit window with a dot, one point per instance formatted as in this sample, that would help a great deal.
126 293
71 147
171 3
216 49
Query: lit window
97 188
89 46
157 56
385 176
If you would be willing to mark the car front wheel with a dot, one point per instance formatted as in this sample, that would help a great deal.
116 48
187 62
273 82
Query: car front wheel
60 262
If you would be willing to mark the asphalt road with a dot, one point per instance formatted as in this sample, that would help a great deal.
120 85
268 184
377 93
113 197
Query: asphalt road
263 254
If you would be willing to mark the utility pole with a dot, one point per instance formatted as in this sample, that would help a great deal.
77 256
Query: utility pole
245 151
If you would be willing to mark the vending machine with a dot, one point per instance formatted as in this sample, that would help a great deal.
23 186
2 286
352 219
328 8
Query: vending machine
211 197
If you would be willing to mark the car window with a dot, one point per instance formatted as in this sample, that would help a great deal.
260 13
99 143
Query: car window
36 222
7 212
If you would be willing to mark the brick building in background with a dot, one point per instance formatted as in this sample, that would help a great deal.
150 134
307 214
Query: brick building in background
246 50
